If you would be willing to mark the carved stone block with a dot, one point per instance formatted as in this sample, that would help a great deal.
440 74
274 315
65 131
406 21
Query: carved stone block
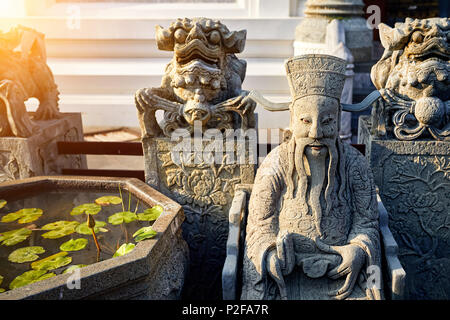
413 178
201 92
38 155
205 191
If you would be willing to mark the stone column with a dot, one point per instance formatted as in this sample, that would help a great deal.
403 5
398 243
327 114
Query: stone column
311 32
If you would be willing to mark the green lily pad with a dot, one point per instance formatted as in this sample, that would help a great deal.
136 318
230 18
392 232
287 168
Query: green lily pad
24 215
124 249
59 229
121 217
150 214
26 254
13 237
84 229
74 245
74 267
52 262
2 203
30 277
88 208
144 233
1 289
107 200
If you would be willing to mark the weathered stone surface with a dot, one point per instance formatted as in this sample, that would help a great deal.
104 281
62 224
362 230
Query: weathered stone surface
37 155
199 94
413 178
413 79
312 228
24 74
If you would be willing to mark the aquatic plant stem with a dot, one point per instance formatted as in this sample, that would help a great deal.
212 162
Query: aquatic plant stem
120 192
95 240
91 225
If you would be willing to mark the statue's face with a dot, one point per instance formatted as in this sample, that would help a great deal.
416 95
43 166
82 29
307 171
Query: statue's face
314 121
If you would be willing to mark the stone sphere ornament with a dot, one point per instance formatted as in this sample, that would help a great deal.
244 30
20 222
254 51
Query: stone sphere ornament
429 111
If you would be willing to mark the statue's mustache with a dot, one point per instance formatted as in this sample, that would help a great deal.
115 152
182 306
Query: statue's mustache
311 142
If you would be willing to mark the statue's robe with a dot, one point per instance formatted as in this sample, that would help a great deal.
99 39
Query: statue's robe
352 221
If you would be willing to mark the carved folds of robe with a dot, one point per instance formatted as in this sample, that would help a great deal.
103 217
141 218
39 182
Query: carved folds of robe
353 218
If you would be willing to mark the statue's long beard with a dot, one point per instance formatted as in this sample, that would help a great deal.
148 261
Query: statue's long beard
322 170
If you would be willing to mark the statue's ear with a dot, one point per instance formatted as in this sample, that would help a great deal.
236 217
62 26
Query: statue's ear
164 39
392 38
287 135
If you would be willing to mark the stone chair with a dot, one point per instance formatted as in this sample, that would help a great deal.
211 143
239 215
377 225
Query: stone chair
393 272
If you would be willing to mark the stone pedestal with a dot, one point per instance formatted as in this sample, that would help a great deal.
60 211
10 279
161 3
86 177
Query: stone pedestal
206 192
38 155
414 180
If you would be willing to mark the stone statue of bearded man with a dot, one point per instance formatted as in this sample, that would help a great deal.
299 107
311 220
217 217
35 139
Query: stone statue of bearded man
312 228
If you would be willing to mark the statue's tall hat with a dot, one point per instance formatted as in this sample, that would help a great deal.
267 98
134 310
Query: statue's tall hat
316 74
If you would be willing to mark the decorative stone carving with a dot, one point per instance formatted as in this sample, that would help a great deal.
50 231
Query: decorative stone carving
28 140
24 74
37 155
312 228
408 147
413 78
200 93
413 180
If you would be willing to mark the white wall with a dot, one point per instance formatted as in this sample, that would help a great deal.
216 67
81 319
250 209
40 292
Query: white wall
102 53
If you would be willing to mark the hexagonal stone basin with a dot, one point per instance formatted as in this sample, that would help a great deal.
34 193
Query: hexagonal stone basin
140 274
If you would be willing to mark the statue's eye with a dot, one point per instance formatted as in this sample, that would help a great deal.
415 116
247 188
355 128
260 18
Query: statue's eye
417 37
327 121
306 121
180 35
214 37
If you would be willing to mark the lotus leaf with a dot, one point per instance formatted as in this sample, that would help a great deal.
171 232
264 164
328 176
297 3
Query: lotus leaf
25 254
13 237
144 233
24 215
1 289
74 267
88 208
107 200
30 277
150 214
59 229
84 229
55 261
121 217
124 249
74 245
2 203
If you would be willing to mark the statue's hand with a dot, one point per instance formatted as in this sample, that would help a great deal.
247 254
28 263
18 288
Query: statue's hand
143 98
353 258
246 104
285 252
274 270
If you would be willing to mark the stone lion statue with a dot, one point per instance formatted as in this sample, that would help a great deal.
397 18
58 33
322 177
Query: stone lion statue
24 74
413 78
201 83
